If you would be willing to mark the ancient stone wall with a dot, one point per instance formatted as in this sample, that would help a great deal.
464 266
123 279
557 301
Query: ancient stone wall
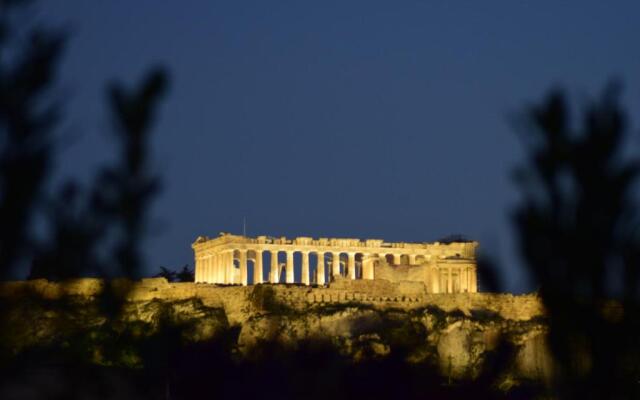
452 330
378 293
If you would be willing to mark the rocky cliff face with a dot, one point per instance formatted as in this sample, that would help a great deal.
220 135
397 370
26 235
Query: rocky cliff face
361 320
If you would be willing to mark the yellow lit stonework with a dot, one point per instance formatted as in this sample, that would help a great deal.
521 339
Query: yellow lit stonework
442 268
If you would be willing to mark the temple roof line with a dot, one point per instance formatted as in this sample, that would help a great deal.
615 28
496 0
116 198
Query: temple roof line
350 243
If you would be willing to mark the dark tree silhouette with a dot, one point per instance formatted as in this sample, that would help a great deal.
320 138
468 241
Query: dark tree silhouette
166 273
125 190
185 274
110 215
117 204
76 231
578 234
454 238
27 121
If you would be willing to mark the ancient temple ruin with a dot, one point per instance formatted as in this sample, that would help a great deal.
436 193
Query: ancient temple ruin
237 259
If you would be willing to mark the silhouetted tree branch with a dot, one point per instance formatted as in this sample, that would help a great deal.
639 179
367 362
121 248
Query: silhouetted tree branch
186 274
124 192
578 235
27 121
166 273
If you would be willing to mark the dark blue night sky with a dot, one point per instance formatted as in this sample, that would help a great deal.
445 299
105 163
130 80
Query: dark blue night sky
370 119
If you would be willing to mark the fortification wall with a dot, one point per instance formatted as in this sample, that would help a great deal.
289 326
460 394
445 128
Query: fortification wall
382 294
361 318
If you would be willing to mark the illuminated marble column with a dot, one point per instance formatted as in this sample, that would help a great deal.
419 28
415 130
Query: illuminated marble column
198 269
203 274
305 268
351 265
210 269
289 272
320 269
230 269
223 268
435 271
257 268
396 259
335 263
412 259
464 279
274 273
219 270
244 276
367 267
474 281
449 282
214 268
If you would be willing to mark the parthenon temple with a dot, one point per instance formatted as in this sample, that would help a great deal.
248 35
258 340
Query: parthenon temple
236 259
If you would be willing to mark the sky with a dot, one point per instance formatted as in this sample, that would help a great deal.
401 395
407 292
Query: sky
362 119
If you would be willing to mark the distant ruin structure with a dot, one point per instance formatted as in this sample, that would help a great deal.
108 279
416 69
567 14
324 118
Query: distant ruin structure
236 259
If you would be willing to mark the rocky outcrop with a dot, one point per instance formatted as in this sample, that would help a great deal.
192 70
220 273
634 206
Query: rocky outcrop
361 319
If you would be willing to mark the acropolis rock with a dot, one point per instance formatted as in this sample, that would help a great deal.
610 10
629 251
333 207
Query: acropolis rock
378 298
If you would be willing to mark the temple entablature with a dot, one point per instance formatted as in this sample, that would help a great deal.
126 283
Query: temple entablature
237 259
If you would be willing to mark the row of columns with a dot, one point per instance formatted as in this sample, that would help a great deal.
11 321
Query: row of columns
220 268
442 280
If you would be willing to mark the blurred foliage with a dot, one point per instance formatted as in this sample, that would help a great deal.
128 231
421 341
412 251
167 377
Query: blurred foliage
577 226
183 275
28 116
